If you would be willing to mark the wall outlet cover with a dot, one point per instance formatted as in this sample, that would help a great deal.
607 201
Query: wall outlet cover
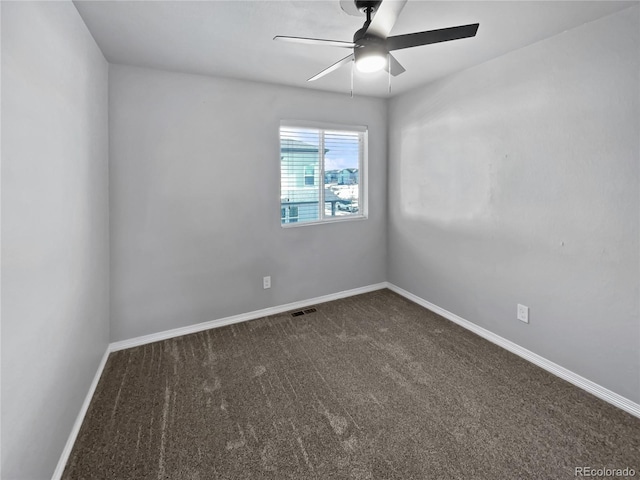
523 313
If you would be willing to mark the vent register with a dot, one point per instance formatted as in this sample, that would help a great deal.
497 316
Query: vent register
303 312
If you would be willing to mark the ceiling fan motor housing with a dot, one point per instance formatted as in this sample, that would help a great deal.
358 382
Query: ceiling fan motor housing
362 39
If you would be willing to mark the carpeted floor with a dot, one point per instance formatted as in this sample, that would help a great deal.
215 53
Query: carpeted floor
368 387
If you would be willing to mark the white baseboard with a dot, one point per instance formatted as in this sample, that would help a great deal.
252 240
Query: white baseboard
57 474
571 377
243 317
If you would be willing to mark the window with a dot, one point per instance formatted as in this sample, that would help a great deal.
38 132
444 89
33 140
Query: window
308 175
322 173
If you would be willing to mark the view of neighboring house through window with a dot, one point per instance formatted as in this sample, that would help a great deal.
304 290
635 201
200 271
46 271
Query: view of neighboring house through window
321 173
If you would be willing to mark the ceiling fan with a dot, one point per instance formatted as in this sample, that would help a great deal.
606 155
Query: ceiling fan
372 44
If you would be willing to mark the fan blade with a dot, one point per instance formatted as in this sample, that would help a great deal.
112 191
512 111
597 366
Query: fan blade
385 17
431 36
350 8
333 67
394 65
315 41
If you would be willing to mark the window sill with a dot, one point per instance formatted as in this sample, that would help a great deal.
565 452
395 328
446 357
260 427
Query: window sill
322 222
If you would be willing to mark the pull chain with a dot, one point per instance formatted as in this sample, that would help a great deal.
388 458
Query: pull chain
353 61
389 69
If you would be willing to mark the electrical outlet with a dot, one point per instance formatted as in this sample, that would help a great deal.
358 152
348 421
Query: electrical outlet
523 313
266 282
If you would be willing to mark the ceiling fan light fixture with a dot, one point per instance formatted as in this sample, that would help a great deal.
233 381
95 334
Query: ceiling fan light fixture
370 59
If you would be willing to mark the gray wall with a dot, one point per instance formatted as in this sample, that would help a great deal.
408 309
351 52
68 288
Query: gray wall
195 212
55 325
516 181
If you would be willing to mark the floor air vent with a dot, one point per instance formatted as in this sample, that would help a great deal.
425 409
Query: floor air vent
303 312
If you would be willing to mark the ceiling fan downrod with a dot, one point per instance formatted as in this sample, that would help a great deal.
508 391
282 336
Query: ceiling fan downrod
364 5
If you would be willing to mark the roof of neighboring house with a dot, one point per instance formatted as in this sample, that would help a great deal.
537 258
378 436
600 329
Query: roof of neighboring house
291 145
350 170
329 196
307 196
301 196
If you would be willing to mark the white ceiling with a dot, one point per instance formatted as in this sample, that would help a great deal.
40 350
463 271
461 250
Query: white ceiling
234 38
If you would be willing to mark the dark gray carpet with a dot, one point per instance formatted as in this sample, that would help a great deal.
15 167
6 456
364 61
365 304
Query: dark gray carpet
367 387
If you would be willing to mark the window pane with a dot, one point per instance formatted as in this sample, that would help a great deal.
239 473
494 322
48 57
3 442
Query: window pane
342 173
299 160
308 175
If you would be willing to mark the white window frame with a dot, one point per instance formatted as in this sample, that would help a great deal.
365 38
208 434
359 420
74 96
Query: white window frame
363 173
